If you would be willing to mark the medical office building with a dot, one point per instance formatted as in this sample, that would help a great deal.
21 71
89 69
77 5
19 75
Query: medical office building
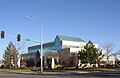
63 49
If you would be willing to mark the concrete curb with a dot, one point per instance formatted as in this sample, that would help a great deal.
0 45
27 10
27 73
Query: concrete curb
87 73
48 73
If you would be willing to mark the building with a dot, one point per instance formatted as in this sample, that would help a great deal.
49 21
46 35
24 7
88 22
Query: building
111 60
63 50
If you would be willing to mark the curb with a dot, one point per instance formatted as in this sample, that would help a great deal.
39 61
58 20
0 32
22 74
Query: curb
48 73
97 73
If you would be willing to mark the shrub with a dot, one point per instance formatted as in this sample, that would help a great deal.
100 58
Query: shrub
2 66
23 67
35 69
58 66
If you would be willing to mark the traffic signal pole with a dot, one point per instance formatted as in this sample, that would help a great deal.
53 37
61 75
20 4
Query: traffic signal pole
25 39
41 36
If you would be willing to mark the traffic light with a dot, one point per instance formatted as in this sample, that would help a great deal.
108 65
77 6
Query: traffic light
2 34
18 37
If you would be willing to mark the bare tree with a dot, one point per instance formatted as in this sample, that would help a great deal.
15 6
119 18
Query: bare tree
116 54
108 47
20 49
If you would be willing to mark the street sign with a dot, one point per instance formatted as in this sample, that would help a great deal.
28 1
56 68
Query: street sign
27 39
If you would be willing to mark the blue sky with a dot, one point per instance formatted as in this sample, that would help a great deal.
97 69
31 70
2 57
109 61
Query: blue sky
95 20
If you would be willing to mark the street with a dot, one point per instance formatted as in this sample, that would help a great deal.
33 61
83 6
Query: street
86 75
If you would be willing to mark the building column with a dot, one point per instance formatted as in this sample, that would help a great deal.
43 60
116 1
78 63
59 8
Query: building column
53 63
45 61
79 62
18 63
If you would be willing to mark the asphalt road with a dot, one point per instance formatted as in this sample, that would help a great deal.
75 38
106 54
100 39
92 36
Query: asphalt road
86 75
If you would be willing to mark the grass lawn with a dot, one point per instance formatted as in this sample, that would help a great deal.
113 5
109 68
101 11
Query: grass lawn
101 69
85 69
16 70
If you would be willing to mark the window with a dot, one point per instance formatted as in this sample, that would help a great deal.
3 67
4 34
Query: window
70 46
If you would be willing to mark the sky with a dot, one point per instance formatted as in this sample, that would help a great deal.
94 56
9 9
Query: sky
95 20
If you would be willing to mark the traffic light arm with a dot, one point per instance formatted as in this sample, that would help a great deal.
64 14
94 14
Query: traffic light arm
18 37
26 39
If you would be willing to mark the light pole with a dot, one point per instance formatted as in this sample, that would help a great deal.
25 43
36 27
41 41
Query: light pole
41 44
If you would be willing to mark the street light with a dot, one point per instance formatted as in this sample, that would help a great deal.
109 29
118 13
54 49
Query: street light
36 20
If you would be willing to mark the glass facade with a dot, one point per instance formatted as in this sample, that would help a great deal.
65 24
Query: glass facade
57 44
